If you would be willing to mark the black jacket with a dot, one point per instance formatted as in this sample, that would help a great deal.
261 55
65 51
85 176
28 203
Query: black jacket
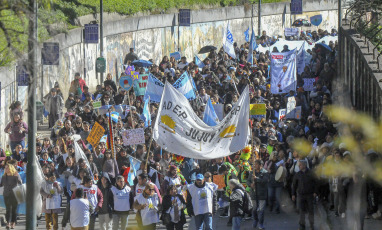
108 200
261 184
304 183
236 201
167 204
112 85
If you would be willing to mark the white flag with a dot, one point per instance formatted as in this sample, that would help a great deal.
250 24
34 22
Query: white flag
179 130
228 43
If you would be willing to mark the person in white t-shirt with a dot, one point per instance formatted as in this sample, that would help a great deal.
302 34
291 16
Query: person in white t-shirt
201 202
147 203
79 211
123 199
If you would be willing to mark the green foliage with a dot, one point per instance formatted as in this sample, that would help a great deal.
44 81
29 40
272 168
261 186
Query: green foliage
58 16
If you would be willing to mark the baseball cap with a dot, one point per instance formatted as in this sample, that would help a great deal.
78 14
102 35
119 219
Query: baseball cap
199 177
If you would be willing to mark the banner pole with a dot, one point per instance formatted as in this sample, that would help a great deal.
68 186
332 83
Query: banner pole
148 152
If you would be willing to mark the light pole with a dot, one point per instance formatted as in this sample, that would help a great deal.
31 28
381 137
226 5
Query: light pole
31 215
101 33
259 20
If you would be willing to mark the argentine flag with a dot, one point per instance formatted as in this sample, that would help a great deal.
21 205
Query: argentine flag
210 117
146 116
134 167
252 47
199 62
246 35
228 43
154 89
185 86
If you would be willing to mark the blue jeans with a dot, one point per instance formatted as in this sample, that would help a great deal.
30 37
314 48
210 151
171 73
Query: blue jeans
274 194
236 222
258 211
205 218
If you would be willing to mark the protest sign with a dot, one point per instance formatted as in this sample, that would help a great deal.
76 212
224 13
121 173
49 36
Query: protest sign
258 110
95 134
97 105
140 84
133 136
178 129
297 113
291 105
291 32
282 114
219 181
283 72
126 82
309 84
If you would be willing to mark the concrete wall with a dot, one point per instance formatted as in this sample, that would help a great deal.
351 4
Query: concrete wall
155 36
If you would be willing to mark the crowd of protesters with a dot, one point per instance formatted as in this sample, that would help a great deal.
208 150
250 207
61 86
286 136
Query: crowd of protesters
168 187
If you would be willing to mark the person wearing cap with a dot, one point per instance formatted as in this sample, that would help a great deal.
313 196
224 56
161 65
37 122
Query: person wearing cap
304 187
271 144
201 202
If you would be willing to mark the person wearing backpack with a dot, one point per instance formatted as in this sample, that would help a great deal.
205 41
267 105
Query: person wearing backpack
240 203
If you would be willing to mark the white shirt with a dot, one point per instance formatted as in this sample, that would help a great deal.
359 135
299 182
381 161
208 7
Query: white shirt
121 198
79 213
172 209
202 198
150 213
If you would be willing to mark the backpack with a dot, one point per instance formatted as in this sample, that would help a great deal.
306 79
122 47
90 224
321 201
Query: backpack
247 202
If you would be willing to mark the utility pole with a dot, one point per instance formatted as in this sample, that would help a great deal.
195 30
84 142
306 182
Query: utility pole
339 34
259 19
31 215
101 33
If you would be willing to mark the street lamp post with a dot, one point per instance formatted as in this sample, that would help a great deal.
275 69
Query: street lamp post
31 215
101 33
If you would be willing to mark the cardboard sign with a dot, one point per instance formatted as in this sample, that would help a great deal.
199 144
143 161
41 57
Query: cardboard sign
282 114
219 181
257 110
140 84
133 136
95 134
97 105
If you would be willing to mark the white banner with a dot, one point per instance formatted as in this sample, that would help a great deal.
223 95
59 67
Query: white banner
291 32
179 130
283 72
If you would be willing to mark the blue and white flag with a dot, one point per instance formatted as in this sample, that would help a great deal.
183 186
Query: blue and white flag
246 35
199 62
134 167
146 116
154 89
184 85
283 72
210 117
228 43
114 116
252 47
